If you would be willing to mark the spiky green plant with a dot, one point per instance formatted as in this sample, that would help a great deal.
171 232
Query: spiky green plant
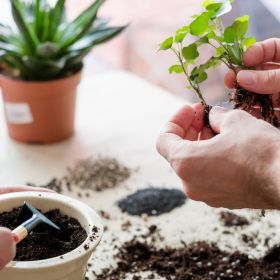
44 45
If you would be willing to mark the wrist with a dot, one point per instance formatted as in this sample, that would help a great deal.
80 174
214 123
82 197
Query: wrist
274 179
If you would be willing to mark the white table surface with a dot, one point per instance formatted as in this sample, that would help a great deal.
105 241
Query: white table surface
121 115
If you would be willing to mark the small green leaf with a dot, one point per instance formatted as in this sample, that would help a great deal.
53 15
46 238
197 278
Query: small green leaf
178 69
198 75
181 34
166 44
248 42
202 41
201 24
237 30
207 3
190 52
235 54
229 35
220 51
214 7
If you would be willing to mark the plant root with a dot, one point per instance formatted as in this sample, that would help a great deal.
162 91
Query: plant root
248 101
207 110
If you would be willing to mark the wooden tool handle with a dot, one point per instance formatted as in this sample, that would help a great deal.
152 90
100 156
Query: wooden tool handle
21 233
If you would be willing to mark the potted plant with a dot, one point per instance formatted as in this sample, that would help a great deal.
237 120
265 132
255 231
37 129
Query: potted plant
229 44
70 266
41 62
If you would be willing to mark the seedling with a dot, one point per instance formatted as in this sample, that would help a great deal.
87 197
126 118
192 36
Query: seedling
230 43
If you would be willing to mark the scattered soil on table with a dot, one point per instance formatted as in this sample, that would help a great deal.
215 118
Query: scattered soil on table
152 201
95 174
232 220
43 243
197 261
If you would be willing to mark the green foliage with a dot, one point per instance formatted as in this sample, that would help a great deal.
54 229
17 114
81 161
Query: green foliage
166 44
190 52
229 43
45 45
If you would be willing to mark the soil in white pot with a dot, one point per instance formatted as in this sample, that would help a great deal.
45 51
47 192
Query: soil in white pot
43 243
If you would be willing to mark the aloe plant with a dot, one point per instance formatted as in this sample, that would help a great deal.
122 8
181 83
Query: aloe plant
44 45
229 43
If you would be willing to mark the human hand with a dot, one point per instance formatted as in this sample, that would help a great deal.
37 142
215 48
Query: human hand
7 238
238 168
265 56
7 246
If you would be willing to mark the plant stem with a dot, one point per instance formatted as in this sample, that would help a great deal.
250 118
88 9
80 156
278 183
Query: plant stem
195 88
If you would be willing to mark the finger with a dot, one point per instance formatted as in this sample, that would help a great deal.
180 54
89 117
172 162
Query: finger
206 134
262 52
7 247
198 120
230 80
222 120
12 189
265 82
268 66
175 132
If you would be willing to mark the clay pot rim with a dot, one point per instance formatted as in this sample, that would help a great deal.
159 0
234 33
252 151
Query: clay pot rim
15 80
91 216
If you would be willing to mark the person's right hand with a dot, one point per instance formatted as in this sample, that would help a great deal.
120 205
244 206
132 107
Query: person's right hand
7 238
265 57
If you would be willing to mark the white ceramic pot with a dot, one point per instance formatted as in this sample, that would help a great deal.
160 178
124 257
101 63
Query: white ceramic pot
72 266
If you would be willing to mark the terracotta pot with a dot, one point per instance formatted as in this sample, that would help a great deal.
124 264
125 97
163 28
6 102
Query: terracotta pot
40 112
72 266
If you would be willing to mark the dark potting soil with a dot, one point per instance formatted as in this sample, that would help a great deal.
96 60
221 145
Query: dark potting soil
231 220
152 201
43 243
198 261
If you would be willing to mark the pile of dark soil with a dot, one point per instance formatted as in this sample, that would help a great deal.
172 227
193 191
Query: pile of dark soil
230 219
43 243
198 261
152 201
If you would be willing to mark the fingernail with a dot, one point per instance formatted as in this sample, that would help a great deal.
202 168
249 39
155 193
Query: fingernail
246 78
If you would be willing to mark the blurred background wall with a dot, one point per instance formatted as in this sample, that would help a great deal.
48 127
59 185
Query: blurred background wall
151 21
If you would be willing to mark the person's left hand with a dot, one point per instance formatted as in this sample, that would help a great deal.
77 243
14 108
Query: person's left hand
7 238
237 168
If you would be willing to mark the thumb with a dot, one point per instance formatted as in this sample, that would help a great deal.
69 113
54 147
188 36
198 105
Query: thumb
260 81
216 117
7 247
221 119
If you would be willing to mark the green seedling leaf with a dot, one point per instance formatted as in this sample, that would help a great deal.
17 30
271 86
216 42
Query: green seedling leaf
237 30
248 42
219 8
202 41
177 69
214 7
190 52
201 24
206 3
166 44
181 34
235 54
220 52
